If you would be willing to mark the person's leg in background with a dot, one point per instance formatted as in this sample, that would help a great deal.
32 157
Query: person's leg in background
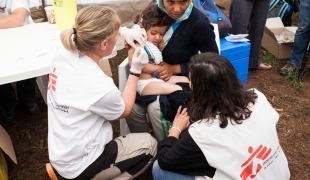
159 174
251 14
160 125
136 120
7 102
256 31
26 94
240 11
301 40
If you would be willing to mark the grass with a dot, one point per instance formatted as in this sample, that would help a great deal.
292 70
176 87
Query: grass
270 59
22 176
293 77
282 99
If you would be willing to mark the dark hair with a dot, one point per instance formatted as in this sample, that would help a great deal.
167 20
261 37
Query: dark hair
153 16
217 91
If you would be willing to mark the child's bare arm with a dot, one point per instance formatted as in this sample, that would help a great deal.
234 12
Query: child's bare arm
150 68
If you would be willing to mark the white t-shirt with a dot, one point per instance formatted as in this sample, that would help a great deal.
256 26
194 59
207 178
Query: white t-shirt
11 5
81 98
250 150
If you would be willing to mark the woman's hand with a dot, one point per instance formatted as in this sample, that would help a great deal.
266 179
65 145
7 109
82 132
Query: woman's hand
180 123
132 35
139 60
165 71
181 119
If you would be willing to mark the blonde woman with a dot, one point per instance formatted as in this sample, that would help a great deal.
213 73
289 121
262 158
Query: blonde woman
82 100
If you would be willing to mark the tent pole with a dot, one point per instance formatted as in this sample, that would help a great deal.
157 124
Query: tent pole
44 13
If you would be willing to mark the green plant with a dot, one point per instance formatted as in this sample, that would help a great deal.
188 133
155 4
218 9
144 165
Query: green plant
22 176
270 59
292 76
282 98
123 57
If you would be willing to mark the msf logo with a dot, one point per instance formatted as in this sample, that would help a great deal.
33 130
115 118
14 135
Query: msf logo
253 165
52 81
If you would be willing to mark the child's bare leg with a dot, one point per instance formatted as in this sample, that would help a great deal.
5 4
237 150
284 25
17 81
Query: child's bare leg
175 79
160 88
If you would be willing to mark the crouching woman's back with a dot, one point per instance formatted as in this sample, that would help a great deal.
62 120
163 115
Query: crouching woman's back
233 130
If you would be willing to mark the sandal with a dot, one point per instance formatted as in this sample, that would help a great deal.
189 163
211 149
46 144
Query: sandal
264 66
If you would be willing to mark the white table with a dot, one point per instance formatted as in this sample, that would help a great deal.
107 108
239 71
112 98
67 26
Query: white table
27 52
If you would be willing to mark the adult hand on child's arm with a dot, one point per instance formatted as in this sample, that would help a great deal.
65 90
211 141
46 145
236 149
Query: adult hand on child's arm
180 123
167 70
139 60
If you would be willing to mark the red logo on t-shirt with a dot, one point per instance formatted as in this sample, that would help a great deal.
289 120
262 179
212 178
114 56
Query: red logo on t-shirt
52 81
255 162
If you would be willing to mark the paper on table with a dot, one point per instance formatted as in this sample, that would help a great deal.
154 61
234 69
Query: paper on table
237 38
22 59
55 42
52 41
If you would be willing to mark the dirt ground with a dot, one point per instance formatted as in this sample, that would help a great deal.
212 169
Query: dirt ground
29 132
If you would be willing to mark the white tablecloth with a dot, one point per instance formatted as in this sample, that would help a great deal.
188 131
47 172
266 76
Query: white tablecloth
27 51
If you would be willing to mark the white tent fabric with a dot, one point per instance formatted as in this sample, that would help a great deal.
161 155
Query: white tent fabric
36 3
126 10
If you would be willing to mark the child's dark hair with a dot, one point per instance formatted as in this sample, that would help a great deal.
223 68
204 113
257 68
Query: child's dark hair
153 16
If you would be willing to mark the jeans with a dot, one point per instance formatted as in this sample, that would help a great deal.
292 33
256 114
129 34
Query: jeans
159 174
302 35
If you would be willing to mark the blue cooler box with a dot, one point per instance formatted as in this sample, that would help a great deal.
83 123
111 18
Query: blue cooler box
238 54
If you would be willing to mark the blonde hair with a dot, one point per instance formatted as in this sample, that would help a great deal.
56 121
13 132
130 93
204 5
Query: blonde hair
93 24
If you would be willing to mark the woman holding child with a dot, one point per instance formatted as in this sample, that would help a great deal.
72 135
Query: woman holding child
189 33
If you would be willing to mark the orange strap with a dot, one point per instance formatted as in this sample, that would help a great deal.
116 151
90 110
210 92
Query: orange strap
51 172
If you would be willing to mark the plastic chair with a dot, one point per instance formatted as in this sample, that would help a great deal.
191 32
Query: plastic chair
123 73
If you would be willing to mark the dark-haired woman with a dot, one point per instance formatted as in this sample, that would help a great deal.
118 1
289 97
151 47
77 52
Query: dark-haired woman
233 134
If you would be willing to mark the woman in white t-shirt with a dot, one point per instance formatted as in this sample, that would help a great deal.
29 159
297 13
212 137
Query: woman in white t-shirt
233 132
82 98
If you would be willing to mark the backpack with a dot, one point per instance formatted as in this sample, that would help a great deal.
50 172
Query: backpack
282 9
215 15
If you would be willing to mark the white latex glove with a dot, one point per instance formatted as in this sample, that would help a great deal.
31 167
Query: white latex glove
131 35
139 60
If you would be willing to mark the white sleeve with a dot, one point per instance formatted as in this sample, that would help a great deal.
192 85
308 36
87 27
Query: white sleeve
111 106
20 4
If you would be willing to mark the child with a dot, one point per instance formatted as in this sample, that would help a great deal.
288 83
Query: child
156 23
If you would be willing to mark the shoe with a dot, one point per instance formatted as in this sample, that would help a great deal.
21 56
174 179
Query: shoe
8 115
264 66
288 69
30 107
